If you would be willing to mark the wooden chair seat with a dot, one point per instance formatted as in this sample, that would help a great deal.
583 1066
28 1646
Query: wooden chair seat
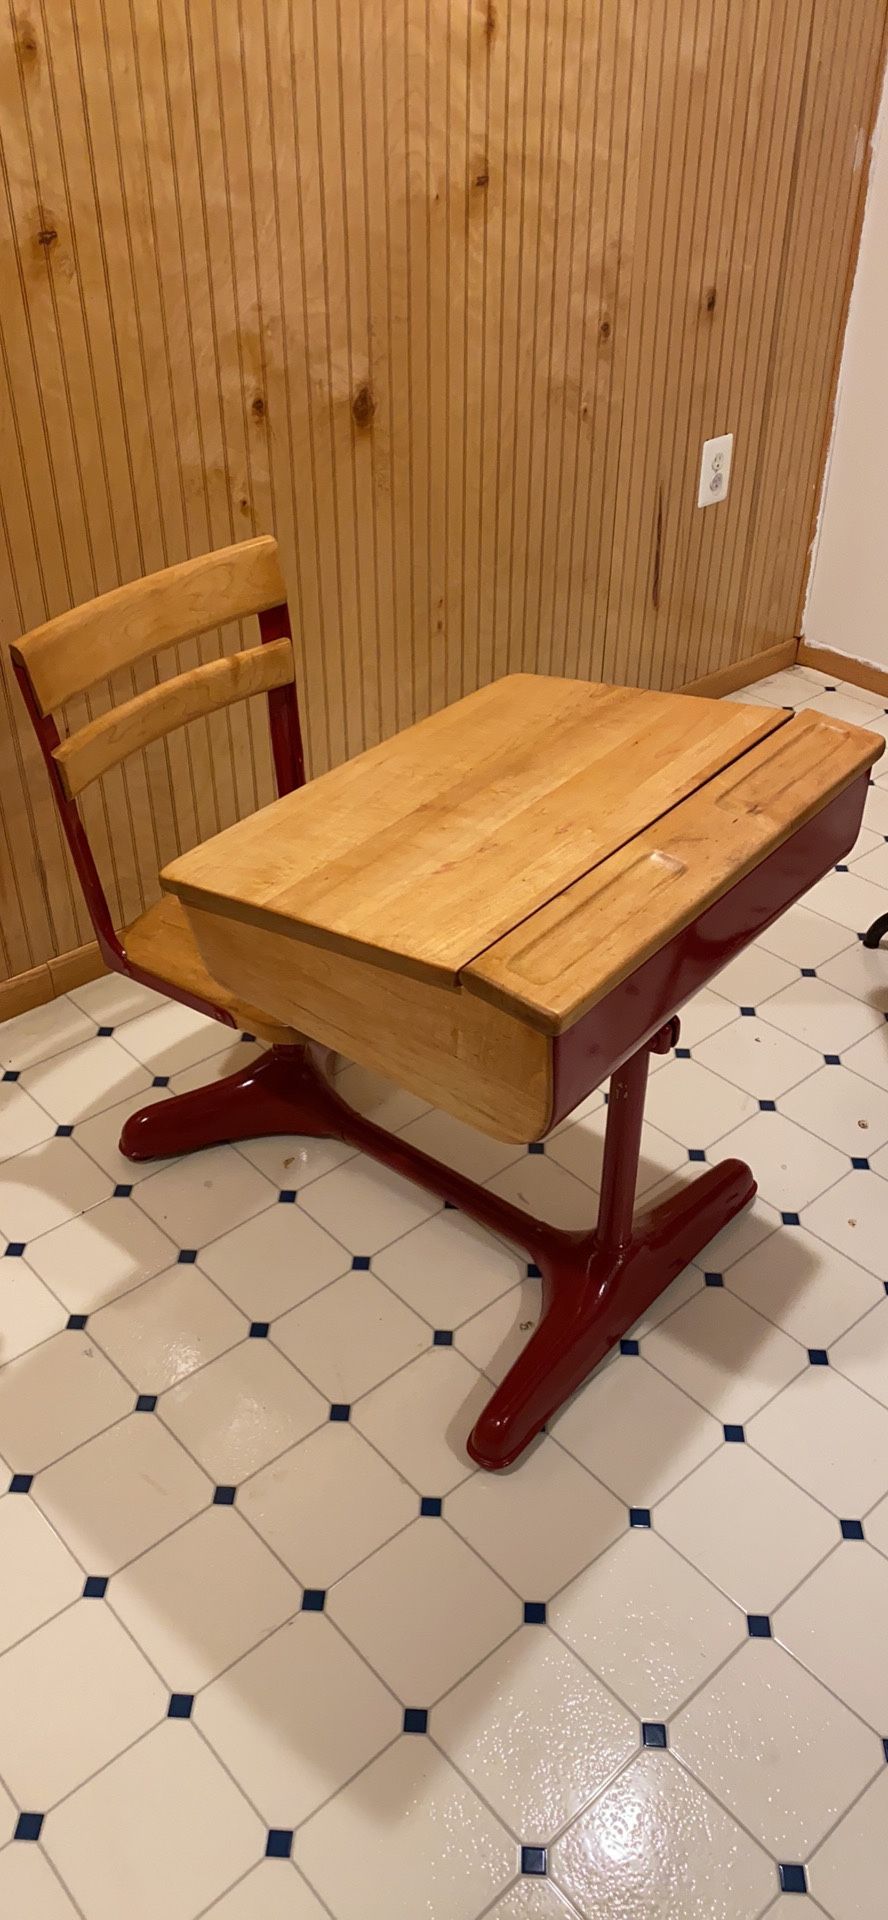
161 941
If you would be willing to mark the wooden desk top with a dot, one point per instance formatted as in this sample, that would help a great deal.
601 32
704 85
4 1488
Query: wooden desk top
531 844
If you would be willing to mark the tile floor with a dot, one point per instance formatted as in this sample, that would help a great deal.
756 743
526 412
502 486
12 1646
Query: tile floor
271 1650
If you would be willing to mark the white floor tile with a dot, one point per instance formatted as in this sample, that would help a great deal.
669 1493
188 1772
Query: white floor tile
874 865
421 1418
849 1872
748 1229
848 703
23 1123
274 1260
350 1336
42 1032
539 1185
723 1354
112 998
72 1696
805 1286
292 1160
746 1526
852 1216
636 1431
242 1411
860 971
171 1037
55 1397
877 1526
8 1817
703 1015
202 1598
531 1899
49 1184
791 1166
235 1054
841 1107
834 1625
757 1736
100 1255
805 938
296 1718
580 1148
167 1328
820 1015
850 901
121 1493
696 1106
366 1206
40 1576
535 1786
754 976
376 1097
758 1058
407 1840
829 1437
84 1080
269 1894
29 1313
870 1057
203 1195
876 809
99 1137
655 1843
29 1887
647 1623
493 1339
173 1812
862 1353
423 1610
448 1269
538 1523
457 1145
327 1503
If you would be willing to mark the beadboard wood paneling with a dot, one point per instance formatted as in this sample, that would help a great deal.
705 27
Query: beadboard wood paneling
447 294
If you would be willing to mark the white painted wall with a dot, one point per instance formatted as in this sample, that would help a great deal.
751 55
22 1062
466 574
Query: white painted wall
847 605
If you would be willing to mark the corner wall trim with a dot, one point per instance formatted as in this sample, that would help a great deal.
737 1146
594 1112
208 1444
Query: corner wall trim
861 673
742 673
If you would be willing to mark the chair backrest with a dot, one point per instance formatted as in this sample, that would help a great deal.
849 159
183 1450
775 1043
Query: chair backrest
67 655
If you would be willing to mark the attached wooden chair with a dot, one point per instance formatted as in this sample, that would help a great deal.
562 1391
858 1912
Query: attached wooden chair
67 655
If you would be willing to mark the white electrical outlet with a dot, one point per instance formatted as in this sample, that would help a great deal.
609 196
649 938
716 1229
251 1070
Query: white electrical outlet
715 470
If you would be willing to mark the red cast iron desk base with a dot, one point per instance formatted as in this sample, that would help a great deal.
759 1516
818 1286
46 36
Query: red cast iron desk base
595 1284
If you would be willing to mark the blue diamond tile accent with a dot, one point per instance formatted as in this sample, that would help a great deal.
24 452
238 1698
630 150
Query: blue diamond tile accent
696 1153
714 1279
533 1271
851 1529
748 1013
734 1433
885 1747
15 1249
809 973
629 1347
146 1403
767 1106
793 1878
187 1256
533 1860
279 1844
790 1219
859 1164
64 1132
104 1033
535 1613
250 1038
76 1322
27 1826
314 1599
21 1483
758 1626
161 1080
430 1506
95 1586
831 1060
818 1357
340 1410
224 1496
653 1733
361 1263
287 1197
536 1146
841 867
258 1330
180 1706
416 1720
442 1337
639 1516
12 1073
121 1191
682 1053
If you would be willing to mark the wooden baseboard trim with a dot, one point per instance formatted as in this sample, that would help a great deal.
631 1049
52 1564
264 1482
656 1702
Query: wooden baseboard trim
742 673
861 673
40 984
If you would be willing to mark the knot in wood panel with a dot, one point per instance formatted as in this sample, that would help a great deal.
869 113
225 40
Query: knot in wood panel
258 406
363 406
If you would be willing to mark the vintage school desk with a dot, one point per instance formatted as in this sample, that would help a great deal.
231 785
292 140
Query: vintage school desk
498 908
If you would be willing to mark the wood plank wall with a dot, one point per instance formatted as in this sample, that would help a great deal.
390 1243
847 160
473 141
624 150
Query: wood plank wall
448 294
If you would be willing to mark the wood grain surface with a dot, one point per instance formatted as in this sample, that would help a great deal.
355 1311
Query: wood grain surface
446 294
